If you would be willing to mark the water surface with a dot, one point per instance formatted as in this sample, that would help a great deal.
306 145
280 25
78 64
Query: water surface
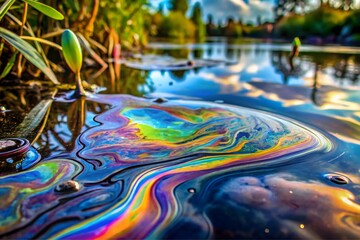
243 149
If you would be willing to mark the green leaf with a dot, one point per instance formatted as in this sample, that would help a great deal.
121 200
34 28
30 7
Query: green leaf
29 53
45 9
35 120
5 7
9 66
296 42
71 50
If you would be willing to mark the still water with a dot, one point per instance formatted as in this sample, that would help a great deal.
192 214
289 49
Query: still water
246 148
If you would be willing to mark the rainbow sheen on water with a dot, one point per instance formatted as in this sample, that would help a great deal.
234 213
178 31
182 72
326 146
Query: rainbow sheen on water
161 170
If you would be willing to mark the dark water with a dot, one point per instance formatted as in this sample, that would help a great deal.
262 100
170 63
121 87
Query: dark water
285 166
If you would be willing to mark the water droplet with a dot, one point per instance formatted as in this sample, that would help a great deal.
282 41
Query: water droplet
191 190
68 187
160 100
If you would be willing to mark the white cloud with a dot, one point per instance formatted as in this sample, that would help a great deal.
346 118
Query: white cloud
247 10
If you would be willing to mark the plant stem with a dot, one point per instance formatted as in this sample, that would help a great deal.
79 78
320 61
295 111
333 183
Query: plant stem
79 91
19 67
90 25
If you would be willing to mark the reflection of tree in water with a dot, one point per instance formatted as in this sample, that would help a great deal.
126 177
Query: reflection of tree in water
347 69
209 52
230 53
280 61
122 79
175 53
345 66
178 75
198 53
65 124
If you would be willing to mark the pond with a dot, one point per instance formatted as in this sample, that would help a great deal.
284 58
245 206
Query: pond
247 147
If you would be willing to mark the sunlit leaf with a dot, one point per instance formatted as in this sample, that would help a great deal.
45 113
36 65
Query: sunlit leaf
33 124
296 42
29 53
71 50
52 44
8 66
45 9
5 7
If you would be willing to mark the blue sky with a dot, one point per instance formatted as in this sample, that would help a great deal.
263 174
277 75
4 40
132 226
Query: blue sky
247 10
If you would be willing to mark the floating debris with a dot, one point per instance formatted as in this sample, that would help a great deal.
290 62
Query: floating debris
68 187
155 62
16 154
13 147
160 100
338 179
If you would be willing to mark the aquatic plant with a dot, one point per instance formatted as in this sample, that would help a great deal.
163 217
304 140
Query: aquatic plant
27 50
117 22
73 56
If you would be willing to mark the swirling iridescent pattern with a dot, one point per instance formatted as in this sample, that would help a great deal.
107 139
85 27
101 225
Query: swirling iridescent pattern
172 143
26 195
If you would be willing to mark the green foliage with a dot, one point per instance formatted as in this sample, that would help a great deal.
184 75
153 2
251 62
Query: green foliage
296 42
5 8
176 25
71 50
196 18
286 7
179 6
45 9
353 21
125 17
324 21
9 66
291 26
29 52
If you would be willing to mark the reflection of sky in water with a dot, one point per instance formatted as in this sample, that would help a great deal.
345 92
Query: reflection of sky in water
253 63
161 170
255 77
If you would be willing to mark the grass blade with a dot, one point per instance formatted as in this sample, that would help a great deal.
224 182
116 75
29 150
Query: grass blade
9 66
45 9
5 7
44 41
29 53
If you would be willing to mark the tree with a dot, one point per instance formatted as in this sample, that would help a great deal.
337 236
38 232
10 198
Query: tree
284 7
179 6
196 18
176 25
211 29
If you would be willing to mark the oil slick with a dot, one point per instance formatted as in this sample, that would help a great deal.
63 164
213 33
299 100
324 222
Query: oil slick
151 170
